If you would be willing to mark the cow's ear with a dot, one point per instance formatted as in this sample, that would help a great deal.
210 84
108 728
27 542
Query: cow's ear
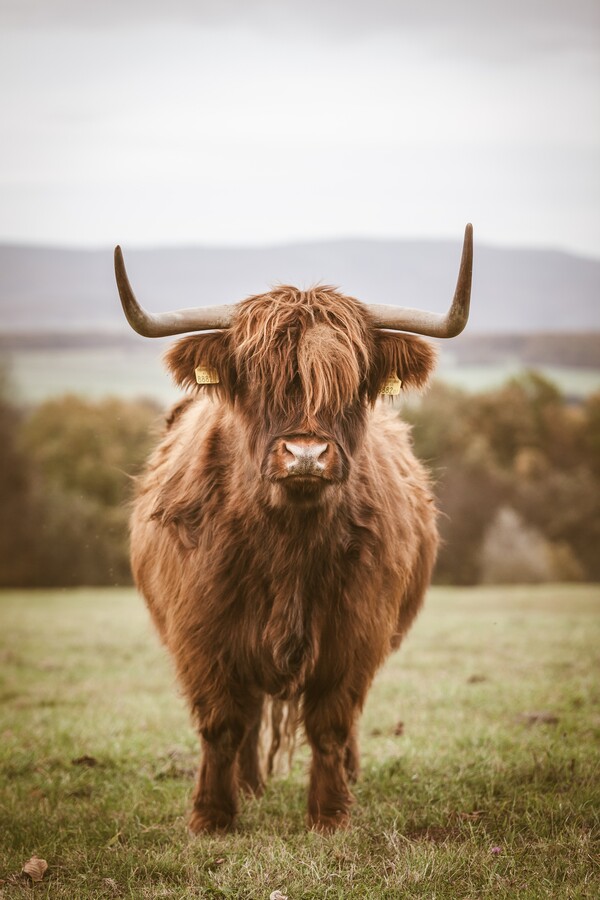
204 362
400 356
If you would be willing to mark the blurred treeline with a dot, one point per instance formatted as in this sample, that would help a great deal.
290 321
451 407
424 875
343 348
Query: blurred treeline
65 481
517 475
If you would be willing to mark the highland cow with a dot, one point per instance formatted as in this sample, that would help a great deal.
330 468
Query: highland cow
283 534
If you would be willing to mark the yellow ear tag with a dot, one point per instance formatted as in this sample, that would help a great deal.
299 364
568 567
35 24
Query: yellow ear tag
206 375
391 386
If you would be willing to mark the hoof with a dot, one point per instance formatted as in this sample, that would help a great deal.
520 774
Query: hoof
210 821
327 824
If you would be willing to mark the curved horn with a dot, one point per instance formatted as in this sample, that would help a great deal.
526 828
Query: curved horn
428 323
166 323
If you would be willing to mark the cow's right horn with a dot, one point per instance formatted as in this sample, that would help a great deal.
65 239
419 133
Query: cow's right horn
166 323
420 321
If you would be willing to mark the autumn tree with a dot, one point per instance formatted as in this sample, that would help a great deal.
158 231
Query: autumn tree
66 478
520 448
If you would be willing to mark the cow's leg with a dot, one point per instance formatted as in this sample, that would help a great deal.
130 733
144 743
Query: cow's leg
222 734
249 773
352 755
329 723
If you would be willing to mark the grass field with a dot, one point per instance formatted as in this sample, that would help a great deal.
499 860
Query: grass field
490 790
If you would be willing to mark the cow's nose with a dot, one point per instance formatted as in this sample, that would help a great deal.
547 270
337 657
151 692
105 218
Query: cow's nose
306 458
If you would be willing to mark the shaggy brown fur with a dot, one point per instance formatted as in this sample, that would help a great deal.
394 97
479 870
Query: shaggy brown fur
263 583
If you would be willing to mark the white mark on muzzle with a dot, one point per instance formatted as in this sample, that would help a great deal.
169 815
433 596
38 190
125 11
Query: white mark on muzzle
306 458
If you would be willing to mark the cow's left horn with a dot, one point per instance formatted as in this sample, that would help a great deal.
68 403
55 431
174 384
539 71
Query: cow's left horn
166 323
420 321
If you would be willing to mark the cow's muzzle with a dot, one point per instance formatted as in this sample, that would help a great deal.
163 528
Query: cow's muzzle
304 459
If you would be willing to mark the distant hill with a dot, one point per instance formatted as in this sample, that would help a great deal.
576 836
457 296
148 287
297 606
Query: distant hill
514 291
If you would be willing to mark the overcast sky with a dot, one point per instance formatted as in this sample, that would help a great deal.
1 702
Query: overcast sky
232 121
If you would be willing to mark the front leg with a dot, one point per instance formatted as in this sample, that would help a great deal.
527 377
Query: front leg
352 756
222 734
329 723
249 774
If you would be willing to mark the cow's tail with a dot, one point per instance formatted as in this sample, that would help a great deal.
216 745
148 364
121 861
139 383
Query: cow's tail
278 735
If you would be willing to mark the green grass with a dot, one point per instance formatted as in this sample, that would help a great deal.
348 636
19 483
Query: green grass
82 674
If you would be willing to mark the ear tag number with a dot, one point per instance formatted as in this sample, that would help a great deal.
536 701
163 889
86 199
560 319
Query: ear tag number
391 386
206 375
